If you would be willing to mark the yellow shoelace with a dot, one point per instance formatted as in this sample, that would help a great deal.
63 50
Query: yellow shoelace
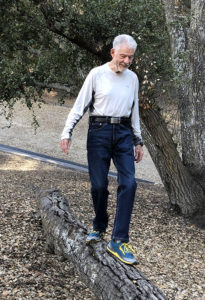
128 248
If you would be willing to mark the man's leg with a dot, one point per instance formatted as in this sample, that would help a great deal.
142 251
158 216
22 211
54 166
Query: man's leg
123 157
99 157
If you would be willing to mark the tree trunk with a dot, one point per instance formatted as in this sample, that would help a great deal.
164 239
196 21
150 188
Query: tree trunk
193 101
191 96
177 32
183 191
107 277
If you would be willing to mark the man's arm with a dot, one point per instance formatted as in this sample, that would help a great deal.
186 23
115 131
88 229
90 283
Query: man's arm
135 121
80 106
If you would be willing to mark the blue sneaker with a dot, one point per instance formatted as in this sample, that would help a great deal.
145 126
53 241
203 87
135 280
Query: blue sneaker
94 236
122 251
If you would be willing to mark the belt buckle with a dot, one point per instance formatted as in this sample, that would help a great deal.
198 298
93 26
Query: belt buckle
115 120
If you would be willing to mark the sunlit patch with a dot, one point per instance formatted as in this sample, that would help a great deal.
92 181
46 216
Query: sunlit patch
50 93
27 165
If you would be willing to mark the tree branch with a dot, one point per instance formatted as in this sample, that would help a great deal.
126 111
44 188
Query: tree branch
55 86
95 48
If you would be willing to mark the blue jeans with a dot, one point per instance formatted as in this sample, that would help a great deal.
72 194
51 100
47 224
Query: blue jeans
105 142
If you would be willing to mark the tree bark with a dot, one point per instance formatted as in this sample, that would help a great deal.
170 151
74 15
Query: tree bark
183 191
177 32
189 43
107 277
193 101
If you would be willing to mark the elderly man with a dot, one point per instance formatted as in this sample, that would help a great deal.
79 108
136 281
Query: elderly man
110 92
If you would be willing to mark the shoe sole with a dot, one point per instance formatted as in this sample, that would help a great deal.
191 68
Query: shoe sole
120 258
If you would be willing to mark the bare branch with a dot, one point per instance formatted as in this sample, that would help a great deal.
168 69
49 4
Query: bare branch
55 86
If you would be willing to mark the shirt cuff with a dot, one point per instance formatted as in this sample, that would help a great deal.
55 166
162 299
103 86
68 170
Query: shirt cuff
137 141
65 136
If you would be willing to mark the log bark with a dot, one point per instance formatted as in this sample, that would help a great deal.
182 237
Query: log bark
107 277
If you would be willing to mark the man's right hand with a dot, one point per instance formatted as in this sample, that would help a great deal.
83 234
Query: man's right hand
65 145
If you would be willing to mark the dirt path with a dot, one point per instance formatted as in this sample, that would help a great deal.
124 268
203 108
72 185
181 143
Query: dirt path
51 118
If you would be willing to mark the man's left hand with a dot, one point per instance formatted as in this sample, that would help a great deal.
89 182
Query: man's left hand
138 153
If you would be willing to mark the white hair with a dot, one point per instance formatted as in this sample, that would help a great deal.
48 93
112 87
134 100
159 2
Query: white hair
124 39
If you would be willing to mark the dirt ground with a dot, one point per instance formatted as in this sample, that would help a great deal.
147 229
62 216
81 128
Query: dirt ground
51 118
170 251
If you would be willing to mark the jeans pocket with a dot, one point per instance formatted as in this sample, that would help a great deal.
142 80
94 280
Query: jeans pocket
96 126
126 127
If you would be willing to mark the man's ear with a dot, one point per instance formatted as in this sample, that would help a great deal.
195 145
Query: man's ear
112 52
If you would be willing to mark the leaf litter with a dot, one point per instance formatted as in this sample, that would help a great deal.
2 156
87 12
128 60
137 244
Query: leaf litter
170 250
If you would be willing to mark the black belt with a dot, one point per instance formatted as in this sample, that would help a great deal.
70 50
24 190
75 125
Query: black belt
111 120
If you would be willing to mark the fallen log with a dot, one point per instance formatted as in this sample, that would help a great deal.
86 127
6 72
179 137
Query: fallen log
108 278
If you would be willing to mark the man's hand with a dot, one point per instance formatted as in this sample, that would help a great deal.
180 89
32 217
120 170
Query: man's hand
65 145
138 153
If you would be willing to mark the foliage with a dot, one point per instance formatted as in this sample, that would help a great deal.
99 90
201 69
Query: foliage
60 41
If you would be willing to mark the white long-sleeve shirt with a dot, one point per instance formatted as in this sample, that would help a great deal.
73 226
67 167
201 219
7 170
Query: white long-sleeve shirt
107 93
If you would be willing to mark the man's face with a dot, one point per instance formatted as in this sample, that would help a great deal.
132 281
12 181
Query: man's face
122 57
